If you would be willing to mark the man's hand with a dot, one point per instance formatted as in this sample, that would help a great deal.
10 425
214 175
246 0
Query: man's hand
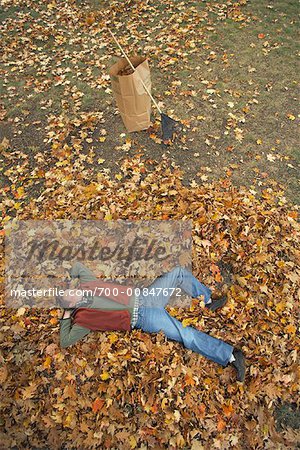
66 314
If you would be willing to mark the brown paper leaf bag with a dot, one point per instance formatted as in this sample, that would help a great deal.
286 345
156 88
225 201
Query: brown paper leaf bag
132 100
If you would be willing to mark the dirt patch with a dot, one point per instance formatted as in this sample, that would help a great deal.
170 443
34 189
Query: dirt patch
287 415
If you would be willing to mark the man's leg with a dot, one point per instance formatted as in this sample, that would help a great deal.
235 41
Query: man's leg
153 317
153 320
179 277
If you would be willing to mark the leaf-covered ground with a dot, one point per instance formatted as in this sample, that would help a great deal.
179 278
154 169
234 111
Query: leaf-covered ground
121 390
228 71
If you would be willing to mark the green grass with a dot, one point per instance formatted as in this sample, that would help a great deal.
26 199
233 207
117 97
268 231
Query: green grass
7 13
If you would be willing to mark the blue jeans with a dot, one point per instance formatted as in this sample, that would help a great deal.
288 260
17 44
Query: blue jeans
152 316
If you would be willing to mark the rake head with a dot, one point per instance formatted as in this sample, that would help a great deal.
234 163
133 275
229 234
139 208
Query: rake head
169 127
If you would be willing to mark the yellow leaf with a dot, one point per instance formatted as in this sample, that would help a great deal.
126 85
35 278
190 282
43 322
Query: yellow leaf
280 306
164 403
280 264
47 362
132 442
113 338
69 420
291 117
104 376
20 192
187 322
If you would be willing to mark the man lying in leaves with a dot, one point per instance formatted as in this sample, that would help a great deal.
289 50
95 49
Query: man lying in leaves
119 311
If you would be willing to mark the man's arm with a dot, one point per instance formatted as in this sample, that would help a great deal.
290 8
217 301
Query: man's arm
70 334
78 270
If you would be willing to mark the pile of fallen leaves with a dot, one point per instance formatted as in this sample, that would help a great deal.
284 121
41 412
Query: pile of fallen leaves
126 71
119 390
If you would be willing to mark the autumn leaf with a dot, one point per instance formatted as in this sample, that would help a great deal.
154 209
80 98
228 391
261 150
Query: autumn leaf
97 404
29 391
228 410
47 362
104 376
113 338
21 311
3 373
188 322
221 425
291 329
202 410
132 442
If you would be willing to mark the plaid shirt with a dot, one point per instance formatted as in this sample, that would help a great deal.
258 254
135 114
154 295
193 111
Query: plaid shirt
135 312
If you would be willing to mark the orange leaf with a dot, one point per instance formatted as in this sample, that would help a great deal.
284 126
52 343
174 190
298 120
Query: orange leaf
189 381
261 35
221 425
90 20
216 273
154 408
228 409
290 329
202 409
293 214
98 403
218 278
